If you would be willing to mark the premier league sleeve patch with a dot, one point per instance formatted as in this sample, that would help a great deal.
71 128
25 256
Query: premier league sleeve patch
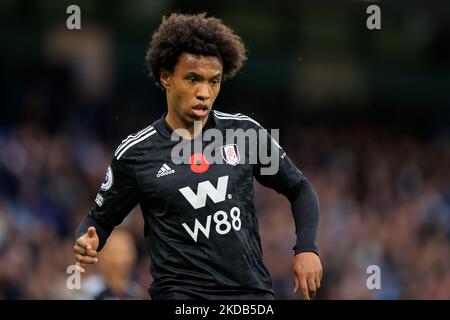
108 181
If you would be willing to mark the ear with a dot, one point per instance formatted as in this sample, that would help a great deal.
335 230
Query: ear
164 78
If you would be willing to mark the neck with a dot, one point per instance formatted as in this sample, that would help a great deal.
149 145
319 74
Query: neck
189 130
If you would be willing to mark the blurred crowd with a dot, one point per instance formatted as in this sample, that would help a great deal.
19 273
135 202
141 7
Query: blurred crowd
384 198
385 201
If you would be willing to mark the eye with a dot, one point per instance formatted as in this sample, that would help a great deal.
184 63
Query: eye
215 82
192 80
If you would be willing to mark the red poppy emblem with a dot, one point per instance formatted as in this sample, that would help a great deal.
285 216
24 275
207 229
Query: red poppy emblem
199 163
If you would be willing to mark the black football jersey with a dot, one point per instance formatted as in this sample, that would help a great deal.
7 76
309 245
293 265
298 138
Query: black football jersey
201 228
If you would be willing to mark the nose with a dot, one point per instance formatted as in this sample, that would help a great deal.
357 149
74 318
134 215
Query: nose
203 92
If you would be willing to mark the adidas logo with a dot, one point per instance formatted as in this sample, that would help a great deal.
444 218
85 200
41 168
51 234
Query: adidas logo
164 171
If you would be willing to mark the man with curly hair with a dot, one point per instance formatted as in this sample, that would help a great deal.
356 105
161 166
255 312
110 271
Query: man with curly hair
201 228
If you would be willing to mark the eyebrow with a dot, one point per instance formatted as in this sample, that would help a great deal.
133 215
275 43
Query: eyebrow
192 73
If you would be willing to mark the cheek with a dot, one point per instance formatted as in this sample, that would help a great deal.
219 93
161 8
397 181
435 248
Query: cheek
183 95
215 93
177 98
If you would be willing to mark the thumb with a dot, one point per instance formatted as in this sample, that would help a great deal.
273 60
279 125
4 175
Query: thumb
91 232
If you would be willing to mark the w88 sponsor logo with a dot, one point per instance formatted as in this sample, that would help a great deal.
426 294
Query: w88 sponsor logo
223 223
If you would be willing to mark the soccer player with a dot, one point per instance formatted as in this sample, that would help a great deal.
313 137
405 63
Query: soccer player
201 228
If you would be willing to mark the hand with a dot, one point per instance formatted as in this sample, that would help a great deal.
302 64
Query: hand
307 274
85 249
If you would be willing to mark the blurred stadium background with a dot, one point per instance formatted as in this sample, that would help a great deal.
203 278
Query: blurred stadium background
364 114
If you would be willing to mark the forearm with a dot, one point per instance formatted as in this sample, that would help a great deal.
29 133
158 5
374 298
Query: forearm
102 232
305 209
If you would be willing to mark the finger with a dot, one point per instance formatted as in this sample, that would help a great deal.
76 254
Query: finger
311 287
79 250
311 284
85 252
85 259
295 284
91 253
91 232
78 259
317 281
88 260
304 288
81 242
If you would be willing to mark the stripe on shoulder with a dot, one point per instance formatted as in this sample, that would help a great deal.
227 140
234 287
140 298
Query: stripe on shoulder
133 139
235 116
240 116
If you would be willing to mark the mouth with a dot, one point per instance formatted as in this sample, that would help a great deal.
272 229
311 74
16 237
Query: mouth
200 111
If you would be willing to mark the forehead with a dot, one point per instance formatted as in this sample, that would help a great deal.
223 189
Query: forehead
207 65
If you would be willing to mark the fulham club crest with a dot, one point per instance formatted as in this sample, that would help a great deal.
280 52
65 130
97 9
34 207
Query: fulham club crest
230 154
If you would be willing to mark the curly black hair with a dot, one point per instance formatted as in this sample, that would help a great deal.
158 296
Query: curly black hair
195 34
